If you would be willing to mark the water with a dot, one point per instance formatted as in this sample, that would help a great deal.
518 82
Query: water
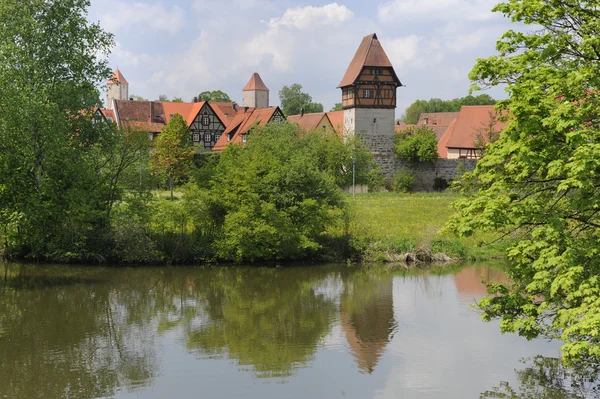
304 332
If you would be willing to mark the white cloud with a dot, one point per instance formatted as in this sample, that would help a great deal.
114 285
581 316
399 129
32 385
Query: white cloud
402 50
309 17
399 11
154 16
125 57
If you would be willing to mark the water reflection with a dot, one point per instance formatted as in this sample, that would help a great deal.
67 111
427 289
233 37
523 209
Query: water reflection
97 333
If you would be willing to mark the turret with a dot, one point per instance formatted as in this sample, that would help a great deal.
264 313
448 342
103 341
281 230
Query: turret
117 88
256 93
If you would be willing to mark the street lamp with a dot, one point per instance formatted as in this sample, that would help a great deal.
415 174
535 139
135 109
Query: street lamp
353 177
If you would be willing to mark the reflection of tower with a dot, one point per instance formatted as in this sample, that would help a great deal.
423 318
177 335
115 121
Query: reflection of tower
469 281
367 317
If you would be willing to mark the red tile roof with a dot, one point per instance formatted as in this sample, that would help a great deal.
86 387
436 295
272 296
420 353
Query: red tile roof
337 121
470 120
242 124
369 53
308 122
117 77
443 141
402 127
255 83
437 118
108 113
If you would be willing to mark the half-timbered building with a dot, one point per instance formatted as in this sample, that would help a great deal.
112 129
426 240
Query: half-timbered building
243 123
369 100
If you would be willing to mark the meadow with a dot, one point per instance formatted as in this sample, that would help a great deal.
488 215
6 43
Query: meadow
392 224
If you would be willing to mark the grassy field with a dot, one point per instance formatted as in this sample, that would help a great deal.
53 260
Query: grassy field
401 223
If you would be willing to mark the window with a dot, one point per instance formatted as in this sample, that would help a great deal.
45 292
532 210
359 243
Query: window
277 119
207 138
150 136
196 137
217 137
376 71
425 121
367 93
243 138
109 119
205 120
229 136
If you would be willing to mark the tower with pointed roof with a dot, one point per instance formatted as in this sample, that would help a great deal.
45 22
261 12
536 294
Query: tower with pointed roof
117 88
369 101
256 93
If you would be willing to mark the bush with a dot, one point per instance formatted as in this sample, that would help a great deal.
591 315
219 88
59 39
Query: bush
404 181
375 180
417 145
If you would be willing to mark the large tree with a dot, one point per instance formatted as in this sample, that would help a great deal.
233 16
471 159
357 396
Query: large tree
412 113
58 165
173 153
539 184
215 96
294 101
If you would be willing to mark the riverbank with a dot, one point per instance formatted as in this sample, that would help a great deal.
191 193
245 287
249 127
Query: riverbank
407 227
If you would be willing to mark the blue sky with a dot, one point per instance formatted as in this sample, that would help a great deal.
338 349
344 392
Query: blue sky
183 47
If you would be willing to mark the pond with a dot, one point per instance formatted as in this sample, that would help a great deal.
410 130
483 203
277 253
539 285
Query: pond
301 332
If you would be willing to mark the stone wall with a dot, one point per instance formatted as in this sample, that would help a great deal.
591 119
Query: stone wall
443 170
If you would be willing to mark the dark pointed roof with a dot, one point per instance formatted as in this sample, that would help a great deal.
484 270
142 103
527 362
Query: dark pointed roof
255 83
369 54
117 77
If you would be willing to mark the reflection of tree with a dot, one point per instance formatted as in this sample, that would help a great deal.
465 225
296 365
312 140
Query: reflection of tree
262 318
63 337
367 316
547 378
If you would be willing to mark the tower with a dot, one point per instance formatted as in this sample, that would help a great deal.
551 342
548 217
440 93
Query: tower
256 93
117 88
369 101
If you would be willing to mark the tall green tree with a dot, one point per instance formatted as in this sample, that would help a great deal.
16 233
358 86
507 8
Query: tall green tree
539 184
293 101
418 144
413 112
57 161
217 96
173 153
337 107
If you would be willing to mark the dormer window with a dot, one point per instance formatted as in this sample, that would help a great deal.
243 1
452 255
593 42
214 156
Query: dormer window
425 121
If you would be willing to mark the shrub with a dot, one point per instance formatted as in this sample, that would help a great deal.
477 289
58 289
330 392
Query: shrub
404 181
417 145
375 180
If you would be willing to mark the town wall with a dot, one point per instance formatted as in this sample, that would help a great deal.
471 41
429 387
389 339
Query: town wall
431 176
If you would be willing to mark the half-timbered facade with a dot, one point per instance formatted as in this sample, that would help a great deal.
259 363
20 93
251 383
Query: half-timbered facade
206 128
241 126
369 101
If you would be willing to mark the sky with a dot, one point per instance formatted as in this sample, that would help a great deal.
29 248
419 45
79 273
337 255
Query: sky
183 47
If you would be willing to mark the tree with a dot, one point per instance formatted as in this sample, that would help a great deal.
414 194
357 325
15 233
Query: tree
337 107
414 111
163 98
177 100
272 198
214 96
293 101
539 183
138 98
59 164
173 153
488 132
418 144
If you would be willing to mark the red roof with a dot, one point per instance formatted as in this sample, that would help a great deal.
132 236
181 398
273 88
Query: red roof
369 54
117 77
437 118
337 121
255 83
242 123
402 127
471 119
443 141
308 122
108 113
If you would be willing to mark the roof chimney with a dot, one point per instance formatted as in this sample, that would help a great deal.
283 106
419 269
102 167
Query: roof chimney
130 98
195 100
234 106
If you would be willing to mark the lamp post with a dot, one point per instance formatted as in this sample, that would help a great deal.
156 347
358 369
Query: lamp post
353 177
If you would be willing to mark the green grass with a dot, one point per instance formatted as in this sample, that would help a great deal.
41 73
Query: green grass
400 223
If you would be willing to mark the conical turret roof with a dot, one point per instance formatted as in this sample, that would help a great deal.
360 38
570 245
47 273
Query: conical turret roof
369 54
117 77
255 83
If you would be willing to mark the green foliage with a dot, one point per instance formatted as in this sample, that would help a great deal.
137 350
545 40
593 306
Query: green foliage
177 100
163 98
214 96
293 101
404 181
337 107
173 153
138 98
375 180
414 111
275 200
539 182
417 144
